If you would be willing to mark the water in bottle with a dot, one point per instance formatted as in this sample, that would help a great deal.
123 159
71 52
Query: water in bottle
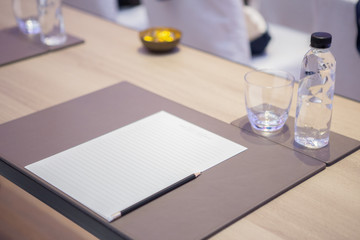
315 93
51 22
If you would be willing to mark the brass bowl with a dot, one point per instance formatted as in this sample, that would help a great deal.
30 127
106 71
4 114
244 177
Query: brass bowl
160 39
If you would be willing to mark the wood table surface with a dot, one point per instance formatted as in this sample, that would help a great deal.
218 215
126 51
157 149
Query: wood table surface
326 206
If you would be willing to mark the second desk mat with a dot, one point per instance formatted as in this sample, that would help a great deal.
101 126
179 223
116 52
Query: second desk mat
15 46
339 145
220 196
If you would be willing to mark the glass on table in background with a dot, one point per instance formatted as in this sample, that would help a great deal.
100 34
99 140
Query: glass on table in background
52 23
268 96
26 15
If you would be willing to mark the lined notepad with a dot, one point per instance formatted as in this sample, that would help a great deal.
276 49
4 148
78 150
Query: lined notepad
116 170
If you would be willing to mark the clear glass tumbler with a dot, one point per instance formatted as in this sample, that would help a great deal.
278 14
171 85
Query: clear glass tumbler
268 97
26 15
51 22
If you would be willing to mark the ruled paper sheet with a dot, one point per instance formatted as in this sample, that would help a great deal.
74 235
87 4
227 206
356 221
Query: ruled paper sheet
116 170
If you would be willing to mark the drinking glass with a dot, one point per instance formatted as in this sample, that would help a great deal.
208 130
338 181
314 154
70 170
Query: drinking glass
51 22
26 15
268 96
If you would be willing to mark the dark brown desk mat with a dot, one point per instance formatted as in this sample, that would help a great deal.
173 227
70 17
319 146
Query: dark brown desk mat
220 196
339 145
16 46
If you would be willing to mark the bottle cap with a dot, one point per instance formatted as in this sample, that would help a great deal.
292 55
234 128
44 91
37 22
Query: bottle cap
321 40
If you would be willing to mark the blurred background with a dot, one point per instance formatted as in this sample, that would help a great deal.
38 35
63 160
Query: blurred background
289 23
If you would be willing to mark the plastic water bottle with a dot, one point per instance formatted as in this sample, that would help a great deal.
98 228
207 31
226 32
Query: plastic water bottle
51 22
315 93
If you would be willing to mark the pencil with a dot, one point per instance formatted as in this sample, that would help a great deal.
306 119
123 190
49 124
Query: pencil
155 195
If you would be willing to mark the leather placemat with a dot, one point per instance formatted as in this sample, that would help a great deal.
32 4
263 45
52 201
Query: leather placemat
220 196
339 145
16 46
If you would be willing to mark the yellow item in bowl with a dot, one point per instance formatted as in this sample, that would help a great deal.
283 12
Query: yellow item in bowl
160 39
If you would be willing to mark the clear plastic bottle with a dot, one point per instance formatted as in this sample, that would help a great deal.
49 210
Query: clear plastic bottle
315 93
51 22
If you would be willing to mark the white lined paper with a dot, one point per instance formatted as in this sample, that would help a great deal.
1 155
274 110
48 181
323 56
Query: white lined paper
114 171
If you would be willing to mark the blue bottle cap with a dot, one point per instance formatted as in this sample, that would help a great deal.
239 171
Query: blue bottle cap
321 40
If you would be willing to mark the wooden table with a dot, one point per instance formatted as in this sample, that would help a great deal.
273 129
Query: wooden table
327 206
